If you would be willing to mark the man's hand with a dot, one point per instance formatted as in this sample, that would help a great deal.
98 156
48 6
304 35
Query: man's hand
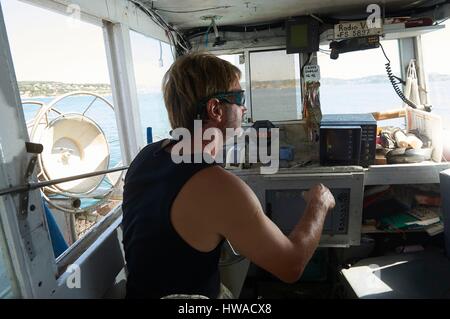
320 194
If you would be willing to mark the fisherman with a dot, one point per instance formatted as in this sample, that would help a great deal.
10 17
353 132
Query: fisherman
177 215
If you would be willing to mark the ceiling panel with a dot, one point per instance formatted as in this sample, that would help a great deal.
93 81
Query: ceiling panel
189 13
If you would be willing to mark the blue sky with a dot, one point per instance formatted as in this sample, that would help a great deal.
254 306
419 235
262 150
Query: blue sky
48 46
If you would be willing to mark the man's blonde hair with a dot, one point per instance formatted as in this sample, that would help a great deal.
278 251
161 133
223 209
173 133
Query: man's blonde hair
191 79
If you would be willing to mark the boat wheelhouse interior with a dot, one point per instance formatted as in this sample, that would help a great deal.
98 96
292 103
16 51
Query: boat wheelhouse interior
357 91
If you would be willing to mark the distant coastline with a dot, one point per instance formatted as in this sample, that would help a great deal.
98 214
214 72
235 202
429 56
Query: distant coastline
433 77
374 79
39 89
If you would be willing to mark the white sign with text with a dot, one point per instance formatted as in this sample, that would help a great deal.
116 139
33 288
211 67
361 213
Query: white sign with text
355 29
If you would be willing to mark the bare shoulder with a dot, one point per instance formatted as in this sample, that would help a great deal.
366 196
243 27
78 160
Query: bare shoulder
222 185
211 204
217 172
224 200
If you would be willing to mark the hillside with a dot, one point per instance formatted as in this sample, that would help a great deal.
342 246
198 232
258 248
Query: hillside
41 88
30 89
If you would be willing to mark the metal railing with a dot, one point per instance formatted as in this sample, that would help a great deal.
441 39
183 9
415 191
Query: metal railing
32 186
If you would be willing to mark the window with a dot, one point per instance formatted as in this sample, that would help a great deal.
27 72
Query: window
357 82
53 56
435 47
275 86
238 60
151 59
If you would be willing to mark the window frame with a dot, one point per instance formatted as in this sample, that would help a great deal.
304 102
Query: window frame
45 276
300 88
246 52
134 68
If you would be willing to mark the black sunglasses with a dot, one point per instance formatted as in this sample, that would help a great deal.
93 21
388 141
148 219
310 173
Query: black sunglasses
231 97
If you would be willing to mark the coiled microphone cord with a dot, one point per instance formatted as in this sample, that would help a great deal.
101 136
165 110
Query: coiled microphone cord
395 81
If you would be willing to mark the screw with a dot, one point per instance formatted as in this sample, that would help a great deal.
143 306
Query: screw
32 207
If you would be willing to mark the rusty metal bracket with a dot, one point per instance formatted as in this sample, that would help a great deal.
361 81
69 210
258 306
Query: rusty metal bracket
24 227
34 149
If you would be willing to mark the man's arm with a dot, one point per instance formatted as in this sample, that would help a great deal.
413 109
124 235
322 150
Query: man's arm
239 217
308 230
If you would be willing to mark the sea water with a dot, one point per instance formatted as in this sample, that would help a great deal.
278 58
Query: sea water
341 98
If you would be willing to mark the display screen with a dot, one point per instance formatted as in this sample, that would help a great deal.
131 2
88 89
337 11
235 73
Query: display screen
299 36
340 145
302 35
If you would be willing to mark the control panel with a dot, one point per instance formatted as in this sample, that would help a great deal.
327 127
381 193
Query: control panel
366 137
282 200
285 208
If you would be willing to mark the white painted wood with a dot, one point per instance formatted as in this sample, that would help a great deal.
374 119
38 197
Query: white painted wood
421 173
238 12
123 84
98 266
248 86
410 32
36 275
406 51
34 272
420 67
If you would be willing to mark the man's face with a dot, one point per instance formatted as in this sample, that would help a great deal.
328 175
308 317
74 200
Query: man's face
234 113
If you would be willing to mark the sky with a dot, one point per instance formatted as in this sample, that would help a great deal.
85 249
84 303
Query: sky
146 54
360 63
48 46
284 66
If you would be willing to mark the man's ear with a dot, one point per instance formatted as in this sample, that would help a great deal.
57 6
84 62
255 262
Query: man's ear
214 111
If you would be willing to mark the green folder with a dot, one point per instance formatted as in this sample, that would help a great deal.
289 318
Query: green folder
399 221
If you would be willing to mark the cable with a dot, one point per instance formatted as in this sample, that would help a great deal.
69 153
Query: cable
328 52
317 18
161 62
177 41
191 33
190 11
207 34
394 81
182 45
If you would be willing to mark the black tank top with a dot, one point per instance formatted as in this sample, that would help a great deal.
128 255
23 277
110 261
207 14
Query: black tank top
159 261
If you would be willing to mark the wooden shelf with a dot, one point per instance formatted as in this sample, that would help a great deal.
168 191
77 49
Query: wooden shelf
391 174
420 173
368 229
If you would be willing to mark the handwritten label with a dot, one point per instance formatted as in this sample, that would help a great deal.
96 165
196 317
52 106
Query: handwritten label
311 73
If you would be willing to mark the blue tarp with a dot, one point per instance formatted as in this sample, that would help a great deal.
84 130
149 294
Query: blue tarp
58 242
